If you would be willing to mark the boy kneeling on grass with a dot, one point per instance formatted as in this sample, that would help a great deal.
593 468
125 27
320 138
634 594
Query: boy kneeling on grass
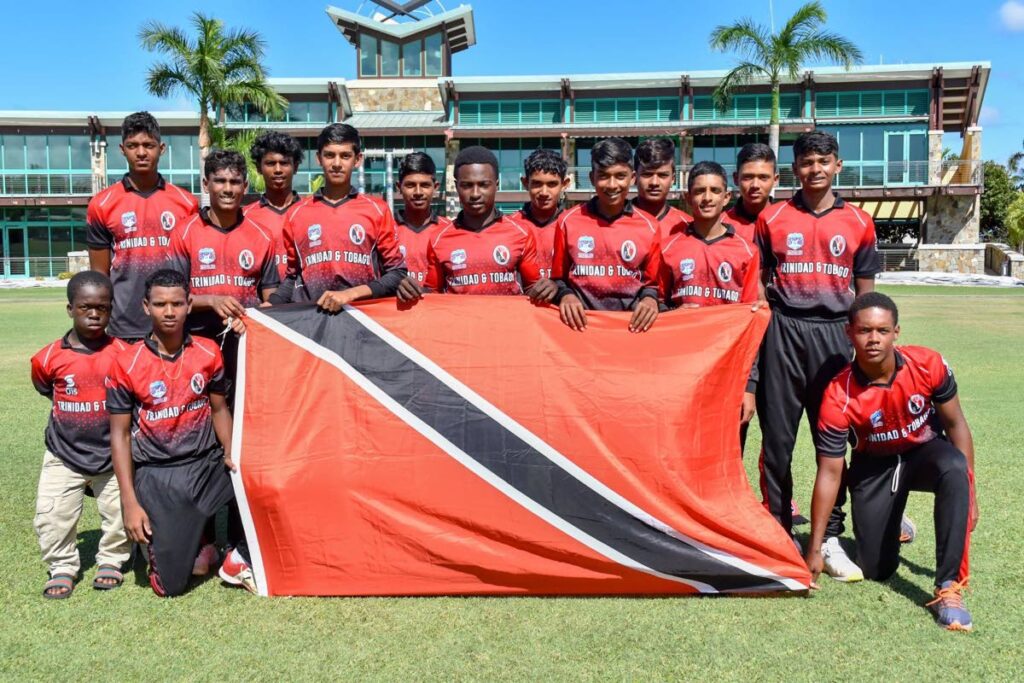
170 431
71 371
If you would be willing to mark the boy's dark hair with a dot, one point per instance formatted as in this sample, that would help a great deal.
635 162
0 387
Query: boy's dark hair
337 134
654 152
88 278
545 161
417 163
706 168
476 155
140 122
755 151
818 142
609 152
219 159
873 300
276 142
166 277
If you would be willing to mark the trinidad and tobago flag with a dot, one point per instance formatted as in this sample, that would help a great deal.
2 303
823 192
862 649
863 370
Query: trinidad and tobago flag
475 445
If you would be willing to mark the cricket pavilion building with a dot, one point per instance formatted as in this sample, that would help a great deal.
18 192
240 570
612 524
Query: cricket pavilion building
890 122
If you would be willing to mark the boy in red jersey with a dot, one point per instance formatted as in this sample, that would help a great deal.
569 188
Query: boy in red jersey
607 252
756 176
545 178
70 372
655 165
341 243
170 434
817 252
483 252
899 409
417 222
130 224
277 155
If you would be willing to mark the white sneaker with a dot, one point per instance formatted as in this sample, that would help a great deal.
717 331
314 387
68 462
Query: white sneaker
838 564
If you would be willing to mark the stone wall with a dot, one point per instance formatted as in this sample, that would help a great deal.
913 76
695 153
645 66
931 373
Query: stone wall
386 97
1004 261
952 258
951 219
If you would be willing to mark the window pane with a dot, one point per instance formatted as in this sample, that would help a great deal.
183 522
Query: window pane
873 143
298 111
80 155
367 55
116 162
38 242
14 151
60 240
319 112
411 53
433 50
35 147
388 58
58 148
180 152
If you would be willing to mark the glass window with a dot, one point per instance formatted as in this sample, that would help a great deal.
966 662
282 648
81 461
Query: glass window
81 157
411 58
432 45
35 148
60 240
873 143
39 242
298 111
116 163
319 112
919 148
180 151
14 152
367 55
58 148
388 58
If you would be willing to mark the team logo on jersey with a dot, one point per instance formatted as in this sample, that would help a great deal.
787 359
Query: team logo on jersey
628 250
246 259
158 390
70 388
198 383
207 258
129 221
916 404
686 268
724 271
458 259
876 419
837 245
795 242
585 247
501 255
314 233
167 220
357 234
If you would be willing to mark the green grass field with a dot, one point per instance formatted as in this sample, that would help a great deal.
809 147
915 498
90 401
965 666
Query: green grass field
864 631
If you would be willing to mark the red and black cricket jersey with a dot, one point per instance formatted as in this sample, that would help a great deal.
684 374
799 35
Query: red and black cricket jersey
413 242
744 222
723 270
609 263
669 218
168 398
543 235
78 431
333 246
235 261
885 419
137 227
272 219
811 259
499 259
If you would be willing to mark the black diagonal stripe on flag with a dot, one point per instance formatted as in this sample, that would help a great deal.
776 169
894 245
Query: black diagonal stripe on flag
499 450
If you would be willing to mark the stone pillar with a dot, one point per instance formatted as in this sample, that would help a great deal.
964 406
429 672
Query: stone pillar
685 158
569 155
935 157
98 164
952 219
451 196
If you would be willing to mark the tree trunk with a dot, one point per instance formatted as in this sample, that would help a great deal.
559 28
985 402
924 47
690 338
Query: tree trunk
773 129
204 151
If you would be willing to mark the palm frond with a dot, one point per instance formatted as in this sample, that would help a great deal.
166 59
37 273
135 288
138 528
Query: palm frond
806 19
163 80
170 40
738 77
745 37
829 46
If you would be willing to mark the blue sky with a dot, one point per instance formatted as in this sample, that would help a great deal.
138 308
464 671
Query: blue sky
92 61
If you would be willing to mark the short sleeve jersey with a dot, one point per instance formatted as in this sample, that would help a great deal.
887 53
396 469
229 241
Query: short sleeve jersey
499 259
885 419
168 399
608 263
543 236
271 219
670 218
413 242
812 259
337 245
78 431
744 222
137 227
723 270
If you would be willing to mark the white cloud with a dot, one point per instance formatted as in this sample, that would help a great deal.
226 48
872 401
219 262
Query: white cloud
1012 15
988 115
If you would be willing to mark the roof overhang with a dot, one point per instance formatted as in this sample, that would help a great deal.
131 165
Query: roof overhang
457 24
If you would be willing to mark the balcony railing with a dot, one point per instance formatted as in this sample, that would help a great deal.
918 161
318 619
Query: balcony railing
13 183
33 266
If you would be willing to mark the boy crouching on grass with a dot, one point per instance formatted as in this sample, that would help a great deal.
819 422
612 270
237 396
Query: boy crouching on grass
71 371
170 431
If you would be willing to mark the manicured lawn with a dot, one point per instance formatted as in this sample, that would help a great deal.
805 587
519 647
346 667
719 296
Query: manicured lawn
858 632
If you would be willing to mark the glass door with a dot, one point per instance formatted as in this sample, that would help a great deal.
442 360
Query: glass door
896 158
15 251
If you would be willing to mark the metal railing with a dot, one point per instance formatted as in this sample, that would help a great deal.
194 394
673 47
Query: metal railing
899 258
33 266
45 183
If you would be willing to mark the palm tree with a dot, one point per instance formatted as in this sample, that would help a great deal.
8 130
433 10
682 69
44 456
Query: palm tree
241 141
1015 165
773 56
215 68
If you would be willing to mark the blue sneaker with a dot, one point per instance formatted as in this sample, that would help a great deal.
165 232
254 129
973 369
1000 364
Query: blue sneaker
948 607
